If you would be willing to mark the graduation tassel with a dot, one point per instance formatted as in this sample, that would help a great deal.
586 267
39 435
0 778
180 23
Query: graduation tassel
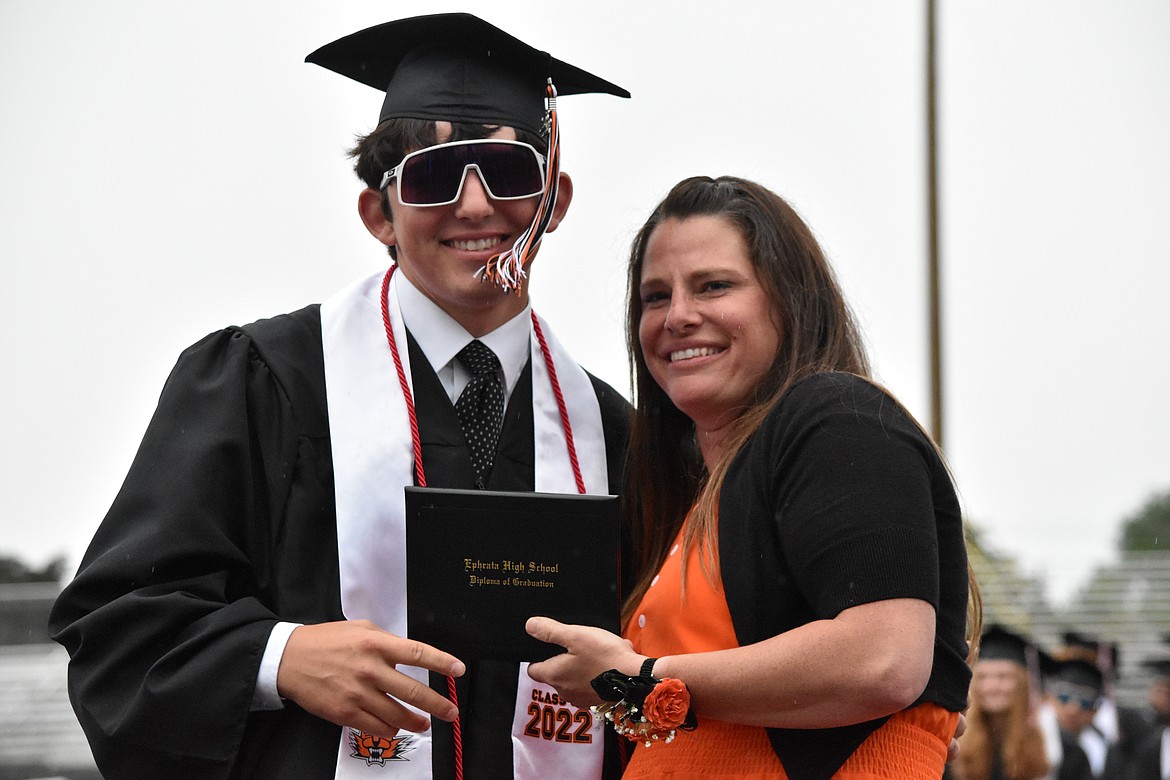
506 270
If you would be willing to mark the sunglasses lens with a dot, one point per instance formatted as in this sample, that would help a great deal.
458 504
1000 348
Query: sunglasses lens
511 171
433 177
1084 704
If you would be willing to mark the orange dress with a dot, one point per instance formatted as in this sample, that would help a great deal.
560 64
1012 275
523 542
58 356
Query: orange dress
911 745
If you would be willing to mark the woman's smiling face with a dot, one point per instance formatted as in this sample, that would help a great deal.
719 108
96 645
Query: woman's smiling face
996 682
708 329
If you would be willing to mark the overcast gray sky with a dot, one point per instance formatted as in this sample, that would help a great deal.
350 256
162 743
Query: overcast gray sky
171 169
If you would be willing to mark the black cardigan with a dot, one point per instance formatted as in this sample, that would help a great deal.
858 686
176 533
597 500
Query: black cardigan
840 499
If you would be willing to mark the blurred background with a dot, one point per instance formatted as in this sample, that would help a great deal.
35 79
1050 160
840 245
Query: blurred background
169 170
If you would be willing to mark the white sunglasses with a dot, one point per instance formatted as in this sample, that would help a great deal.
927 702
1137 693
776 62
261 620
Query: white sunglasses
509 170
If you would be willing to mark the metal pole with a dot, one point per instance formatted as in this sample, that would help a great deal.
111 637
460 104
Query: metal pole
935 313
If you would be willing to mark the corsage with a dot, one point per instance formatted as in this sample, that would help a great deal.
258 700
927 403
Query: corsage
644 707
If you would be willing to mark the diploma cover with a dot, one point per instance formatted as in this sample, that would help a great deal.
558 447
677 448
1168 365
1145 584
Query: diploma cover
480 563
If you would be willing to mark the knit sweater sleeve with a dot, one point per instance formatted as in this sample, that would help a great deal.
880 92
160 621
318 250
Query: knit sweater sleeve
852 486
838 500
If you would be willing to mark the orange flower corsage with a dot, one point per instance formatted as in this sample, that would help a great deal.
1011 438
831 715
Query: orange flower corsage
644 707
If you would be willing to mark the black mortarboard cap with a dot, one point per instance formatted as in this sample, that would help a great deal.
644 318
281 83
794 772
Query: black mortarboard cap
1159 666
1076 639
456 68
1076 671
1105 655
1001 644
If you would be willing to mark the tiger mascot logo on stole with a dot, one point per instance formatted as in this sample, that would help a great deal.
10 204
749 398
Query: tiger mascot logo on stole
378 750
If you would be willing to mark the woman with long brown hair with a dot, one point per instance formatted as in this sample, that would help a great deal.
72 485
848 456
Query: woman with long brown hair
800 598
1003 740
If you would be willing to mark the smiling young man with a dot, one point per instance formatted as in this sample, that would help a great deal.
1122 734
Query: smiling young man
440 249
241 610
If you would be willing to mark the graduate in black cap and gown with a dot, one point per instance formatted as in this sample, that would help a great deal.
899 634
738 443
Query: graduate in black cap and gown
1151 761
241 610
1112 737
1072 694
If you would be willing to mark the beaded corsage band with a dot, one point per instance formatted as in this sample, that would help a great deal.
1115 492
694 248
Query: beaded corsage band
644 707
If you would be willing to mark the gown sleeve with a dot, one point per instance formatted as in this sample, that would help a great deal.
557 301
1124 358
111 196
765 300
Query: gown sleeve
168 615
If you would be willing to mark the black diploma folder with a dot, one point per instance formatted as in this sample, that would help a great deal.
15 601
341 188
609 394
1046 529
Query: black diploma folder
480 563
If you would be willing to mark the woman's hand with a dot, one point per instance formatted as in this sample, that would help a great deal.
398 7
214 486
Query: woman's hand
588 652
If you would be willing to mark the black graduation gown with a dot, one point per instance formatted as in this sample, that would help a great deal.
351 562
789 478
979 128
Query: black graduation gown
1075 764
1132 730
1147 758
225 525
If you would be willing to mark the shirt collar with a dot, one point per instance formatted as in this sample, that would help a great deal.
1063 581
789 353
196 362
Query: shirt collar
440 337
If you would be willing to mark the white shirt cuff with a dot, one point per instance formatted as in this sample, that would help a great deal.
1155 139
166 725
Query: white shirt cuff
265 697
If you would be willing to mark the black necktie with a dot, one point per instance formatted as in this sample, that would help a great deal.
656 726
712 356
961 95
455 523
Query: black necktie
481 406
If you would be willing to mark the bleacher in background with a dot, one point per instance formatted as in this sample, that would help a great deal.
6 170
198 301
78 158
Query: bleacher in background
1127 602
24 612
39 734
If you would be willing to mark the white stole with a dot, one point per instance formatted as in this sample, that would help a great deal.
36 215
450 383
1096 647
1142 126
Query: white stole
373 460
1164 753
1053 749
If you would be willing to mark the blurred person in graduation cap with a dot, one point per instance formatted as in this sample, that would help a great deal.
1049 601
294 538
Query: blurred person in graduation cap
1072 694
1003 740
1158 665
241 610
1112 737
1151 760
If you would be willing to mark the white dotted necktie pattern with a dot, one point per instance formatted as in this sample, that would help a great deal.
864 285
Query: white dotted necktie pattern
481 406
